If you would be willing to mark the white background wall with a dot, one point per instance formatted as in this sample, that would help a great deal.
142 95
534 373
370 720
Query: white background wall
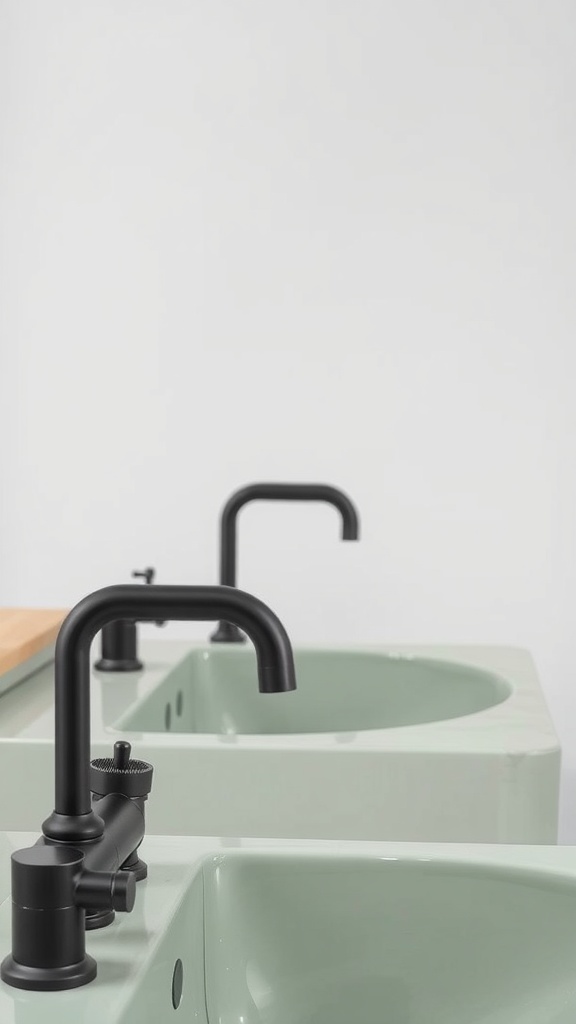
297 241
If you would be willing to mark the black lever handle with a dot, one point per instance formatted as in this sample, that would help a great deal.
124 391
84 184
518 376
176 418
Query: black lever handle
147 574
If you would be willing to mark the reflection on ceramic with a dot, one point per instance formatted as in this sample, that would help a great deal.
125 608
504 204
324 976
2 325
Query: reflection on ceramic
326 933
436 743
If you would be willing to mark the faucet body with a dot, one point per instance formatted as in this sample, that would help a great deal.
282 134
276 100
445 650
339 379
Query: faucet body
85 865
119 639
119 647
60 890
226 631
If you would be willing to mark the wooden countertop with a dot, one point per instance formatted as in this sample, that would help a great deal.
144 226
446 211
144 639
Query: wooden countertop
26 631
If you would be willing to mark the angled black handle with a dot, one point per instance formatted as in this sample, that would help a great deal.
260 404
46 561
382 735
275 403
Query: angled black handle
147 574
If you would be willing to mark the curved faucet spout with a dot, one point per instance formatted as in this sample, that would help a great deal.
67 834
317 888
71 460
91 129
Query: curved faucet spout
278 492
226 631
72 673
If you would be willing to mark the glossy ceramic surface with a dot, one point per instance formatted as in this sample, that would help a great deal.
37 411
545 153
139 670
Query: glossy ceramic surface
365 939
217 692
325 933
489 775
27 668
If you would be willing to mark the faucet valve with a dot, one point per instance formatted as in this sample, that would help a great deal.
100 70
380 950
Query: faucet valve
112 781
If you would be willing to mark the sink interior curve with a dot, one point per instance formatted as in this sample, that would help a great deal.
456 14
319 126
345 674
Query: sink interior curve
338 691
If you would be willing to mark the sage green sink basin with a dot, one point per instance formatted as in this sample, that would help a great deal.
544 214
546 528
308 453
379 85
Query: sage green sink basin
325 933
216 691
365 940
441 744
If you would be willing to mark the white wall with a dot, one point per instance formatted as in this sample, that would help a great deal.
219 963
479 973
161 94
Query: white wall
297 241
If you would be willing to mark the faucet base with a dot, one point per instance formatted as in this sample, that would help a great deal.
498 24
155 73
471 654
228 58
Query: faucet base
227 633
98 919
73 828
48 979
118 665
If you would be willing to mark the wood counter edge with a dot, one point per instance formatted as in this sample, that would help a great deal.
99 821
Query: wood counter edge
25 632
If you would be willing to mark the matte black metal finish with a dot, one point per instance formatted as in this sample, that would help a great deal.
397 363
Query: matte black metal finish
119 640
135 776
52 887
61 889
48 935
107 890
111 860
119 645
73 818
85 866
124 828
227 632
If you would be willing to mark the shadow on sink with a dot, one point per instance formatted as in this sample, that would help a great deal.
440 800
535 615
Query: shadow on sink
338 691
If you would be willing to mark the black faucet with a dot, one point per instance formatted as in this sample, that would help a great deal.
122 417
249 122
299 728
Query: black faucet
86 865
119 639
227 632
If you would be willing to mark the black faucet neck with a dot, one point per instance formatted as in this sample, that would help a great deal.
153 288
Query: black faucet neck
278 492
73 814
227 632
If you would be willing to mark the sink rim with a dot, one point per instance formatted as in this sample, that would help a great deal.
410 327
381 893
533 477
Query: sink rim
486 731
483 732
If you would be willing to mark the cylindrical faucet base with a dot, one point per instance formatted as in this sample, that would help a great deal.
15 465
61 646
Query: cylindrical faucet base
48 935
119 647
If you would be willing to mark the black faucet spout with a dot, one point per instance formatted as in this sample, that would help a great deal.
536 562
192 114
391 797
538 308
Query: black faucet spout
227 632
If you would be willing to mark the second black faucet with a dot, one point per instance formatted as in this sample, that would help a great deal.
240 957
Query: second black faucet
119 639
227 632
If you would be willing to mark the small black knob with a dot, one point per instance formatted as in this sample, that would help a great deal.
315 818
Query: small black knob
120 773
122 751
106 890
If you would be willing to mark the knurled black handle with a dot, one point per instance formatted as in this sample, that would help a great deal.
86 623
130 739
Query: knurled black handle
120 773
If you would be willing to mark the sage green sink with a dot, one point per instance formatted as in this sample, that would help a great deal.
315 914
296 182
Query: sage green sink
326 933
216 691
450 744
365 940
